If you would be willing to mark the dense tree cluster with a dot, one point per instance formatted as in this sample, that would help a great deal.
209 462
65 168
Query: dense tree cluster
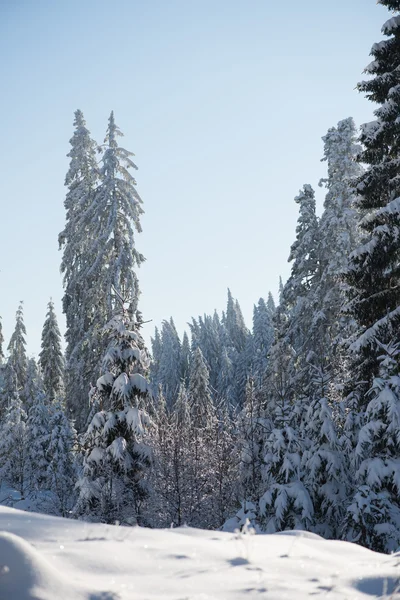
292 424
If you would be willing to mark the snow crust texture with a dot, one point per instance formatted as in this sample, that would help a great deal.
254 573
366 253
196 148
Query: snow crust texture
47 558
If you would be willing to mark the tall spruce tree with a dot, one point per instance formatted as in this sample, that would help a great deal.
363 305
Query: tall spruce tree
338 237
112 209
83 332
112 219
51 358
289 368
373 275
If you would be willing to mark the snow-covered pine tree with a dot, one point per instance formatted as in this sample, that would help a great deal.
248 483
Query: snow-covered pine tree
33 386
7 389
173 500
112 219
338 237
373 274
263 337
225 380
203 421
169 366
373 517
61 453
200 398
319 362
225 457
37 437
234 324
17 353
13 446
51 358
161 476
84 321
113 486
252 428
297 291
286 503
279 383
373 277
288 371
156 349
205 335
323 460
185 359
238 347
271 304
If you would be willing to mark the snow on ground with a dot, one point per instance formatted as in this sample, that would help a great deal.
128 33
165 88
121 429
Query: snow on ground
49 558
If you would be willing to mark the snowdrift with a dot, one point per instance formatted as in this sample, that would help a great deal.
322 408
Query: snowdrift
49 558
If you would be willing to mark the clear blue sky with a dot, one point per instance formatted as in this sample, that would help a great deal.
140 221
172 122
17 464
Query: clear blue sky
224 103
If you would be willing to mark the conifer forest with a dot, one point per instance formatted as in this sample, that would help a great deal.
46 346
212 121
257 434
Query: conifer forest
291 424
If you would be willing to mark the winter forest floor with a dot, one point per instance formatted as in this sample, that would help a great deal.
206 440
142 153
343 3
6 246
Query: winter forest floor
48 558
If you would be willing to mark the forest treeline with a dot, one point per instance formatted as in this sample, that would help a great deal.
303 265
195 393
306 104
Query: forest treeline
294 424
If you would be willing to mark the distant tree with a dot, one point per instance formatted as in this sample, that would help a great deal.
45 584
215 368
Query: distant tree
263 337
171 499
271 304
252 429
225 467
235 325
169 369
34 387
156 350
17 349
238 346
203 423
185 359
200 398
51 358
